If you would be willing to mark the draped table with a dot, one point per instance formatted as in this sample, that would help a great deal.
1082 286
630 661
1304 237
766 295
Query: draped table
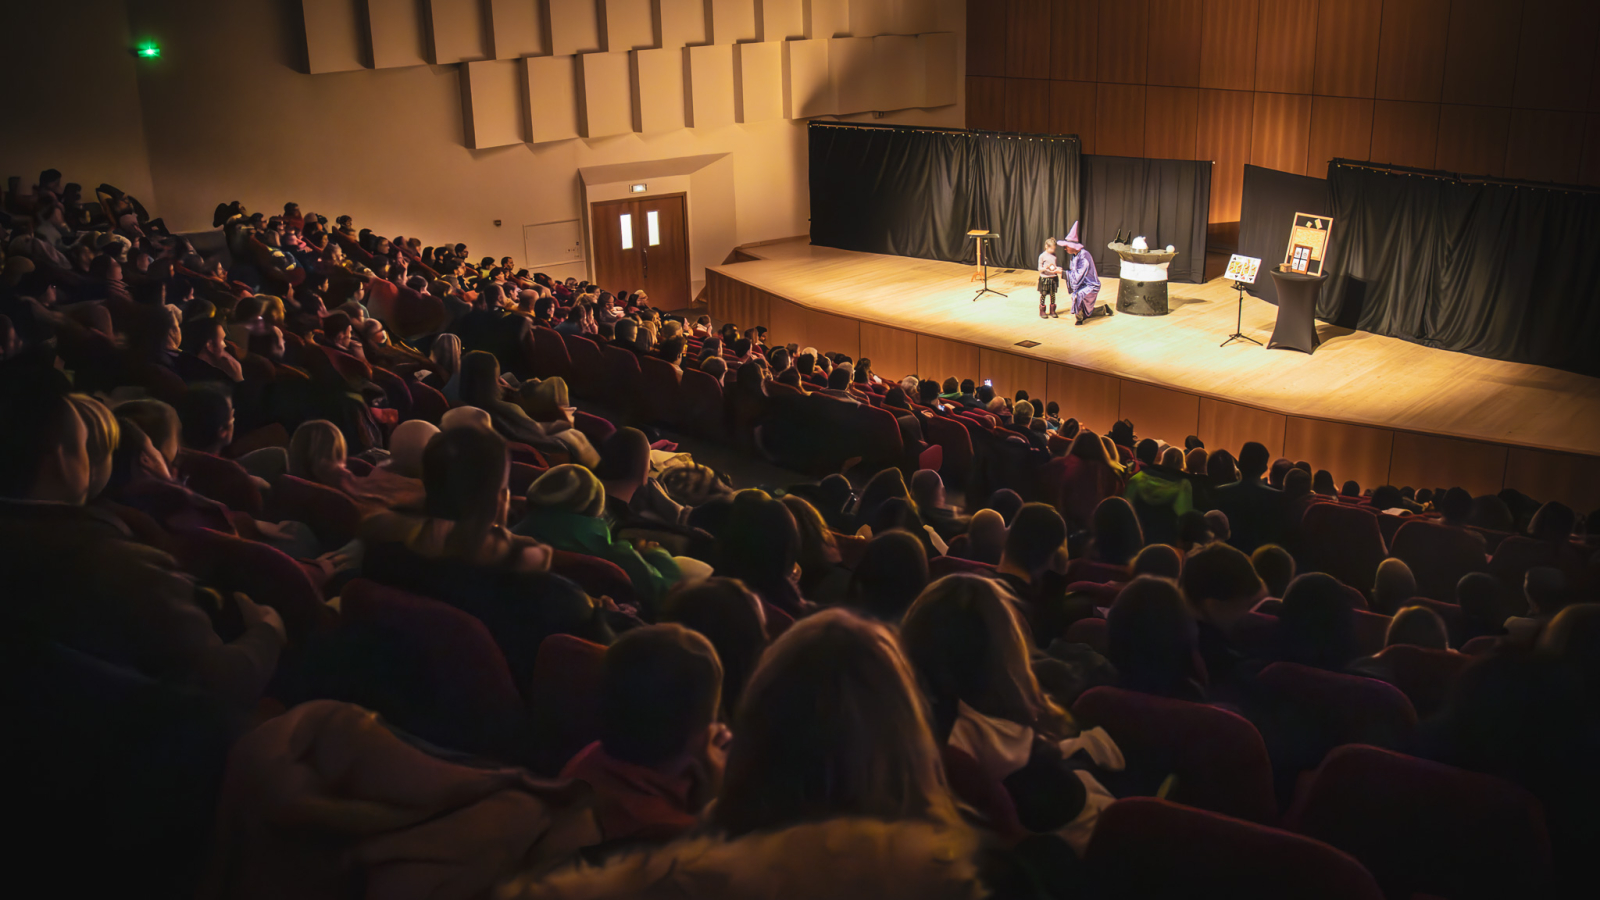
1297 308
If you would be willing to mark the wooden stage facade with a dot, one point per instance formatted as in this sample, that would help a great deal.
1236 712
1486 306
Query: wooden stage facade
1375 409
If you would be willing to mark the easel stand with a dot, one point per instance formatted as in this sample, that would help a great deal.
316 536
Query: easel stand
1238 326
983 237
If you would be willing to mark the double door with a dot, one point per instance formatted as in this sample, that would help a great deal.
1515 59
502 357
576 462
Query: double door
643 245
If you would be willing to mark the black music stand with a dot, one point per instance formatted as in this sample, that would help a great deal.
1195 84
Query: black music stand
980 236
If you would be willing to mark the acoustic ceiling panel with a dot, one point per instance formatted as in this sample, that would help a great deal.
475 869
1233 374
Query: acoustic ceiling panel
457 31
334 38
552 93
781 20
397 33
854 76
517 28
807 85
758 83
711 76
627 24
827 18
898 73
491 103
733 21
683 23
658 83
574 26
939 85
604 80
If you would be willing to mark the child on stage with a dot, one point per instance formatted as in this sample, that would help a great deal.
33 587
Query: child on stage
1049 277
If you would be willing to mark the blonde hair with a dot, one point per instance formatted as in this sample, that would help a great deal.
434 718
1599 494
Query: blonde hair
103 436
446 353
317 452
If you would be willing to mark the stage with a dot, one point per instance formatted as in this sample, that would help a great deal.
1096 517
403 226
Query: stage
1375 409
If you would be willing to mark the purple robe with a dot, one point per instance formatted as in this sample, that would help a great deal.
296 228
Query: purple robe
1083 282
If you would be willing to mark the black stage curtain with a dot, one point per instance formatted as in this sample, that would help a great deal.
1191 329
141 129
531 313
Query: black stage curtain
1271 198
1166 200
916 192
1494 269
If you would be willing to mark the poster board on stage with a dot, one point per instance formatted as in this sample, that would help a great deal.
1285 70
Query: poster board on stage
1308 243
1242 269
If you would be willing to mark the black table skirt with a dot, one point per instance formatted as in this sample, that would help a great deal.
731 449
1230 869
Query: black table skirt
1297 307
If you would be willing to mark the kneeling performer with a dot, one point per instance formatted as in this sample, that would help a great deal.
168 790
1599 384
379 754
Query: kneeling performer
1049 277
1082 279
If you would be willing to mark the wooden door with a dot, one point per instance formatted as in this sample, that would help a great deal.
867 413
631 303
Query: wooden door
643 245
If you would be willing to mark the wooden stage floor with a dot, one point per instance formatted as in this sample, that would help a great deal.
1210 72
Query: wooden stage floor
1377 408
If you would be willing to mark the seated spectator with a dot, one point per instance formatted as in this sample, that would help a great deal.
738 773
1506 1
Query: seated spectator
1275 566
1393 587
971 654
1548 593
1485 606
1221 587
548 403
1116 533
1217 524
564 511
661 751
760 545
823 580
317 454
481 388
74 577
1253 507
1086 475
892 571
1006 502
731 618
1031 565
446 375
927 492
1152 640
573 324
1316 626
1161 560
984 540
1221 468
1159 495
1418 626
885 485
716 368
634 498
205 354
839 387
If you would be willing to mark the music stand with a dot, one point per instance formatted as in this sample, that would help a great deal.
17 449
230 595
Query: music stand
980 236
1242 269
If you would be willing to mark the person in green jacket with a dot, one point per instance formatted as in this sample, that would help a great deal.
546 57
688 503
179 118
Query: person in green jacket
564 506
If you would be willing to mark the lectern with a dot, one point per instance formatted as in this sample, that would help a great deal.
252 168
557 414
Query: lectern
982 236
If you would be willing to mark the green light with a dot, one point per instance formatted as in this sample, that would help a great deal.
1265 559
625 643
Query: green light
149 51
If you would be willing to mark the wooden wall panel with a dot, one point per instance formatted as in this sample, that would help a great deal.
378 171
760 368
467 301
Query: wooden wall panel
893 352
1074 39
1230 426
1545 146
1159 413
1341 128
785 320
1011 373
1472 139
1119 120
986 103
940 359
1027 105
832 334
1411 49
851 72
1348 451
986 40
1555 58
1171 121
1286 46
1092 398
1429 461
398 32
1228 38
1281 135
1480 30
1174 45
1223 136
1405 134
1027 39
1544 475
1347 48
1072 111
731 300
1124 40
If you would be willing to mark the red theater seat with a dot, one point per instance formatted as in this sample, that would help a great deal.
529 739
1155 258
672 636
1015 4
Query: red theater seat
1343 541
564 698
1090 632
550 357
1438 555
1349 709
222 480
333 516
588 367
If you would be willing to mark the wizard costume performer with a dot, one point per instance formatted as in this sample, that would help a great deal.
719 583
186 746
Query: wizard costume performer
1083 281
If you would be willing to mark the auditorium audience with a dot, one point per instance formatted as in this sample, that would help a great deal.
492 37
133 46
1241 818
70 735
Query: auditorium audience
734 730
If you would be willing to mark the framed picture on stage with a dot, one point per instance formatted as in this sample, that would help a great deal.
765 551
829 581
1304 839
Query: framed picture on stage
1308 242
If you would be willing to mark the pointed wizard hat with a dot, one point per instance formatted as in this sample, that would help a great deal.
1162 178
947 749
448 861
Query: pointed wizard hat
1071 240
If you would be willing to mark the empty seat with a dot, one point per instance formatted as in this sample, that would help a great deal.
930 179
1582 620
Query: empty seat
593 427
1218 758
550 357
564 698
588 367
1145 848
265 574
702 405
622 383
332 515
1438 555
1343 541
1332 708
1424 827
957 446
658 401
427 403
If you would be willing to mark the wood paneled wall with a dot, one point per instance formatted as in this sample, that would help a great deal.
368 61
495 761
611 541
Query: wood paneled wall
1370 456
1508 88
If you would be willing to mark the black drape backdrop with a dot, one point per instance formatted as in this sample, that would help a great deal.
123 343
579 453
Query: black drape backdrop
1492 269
916 192
1271 198
1166 200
